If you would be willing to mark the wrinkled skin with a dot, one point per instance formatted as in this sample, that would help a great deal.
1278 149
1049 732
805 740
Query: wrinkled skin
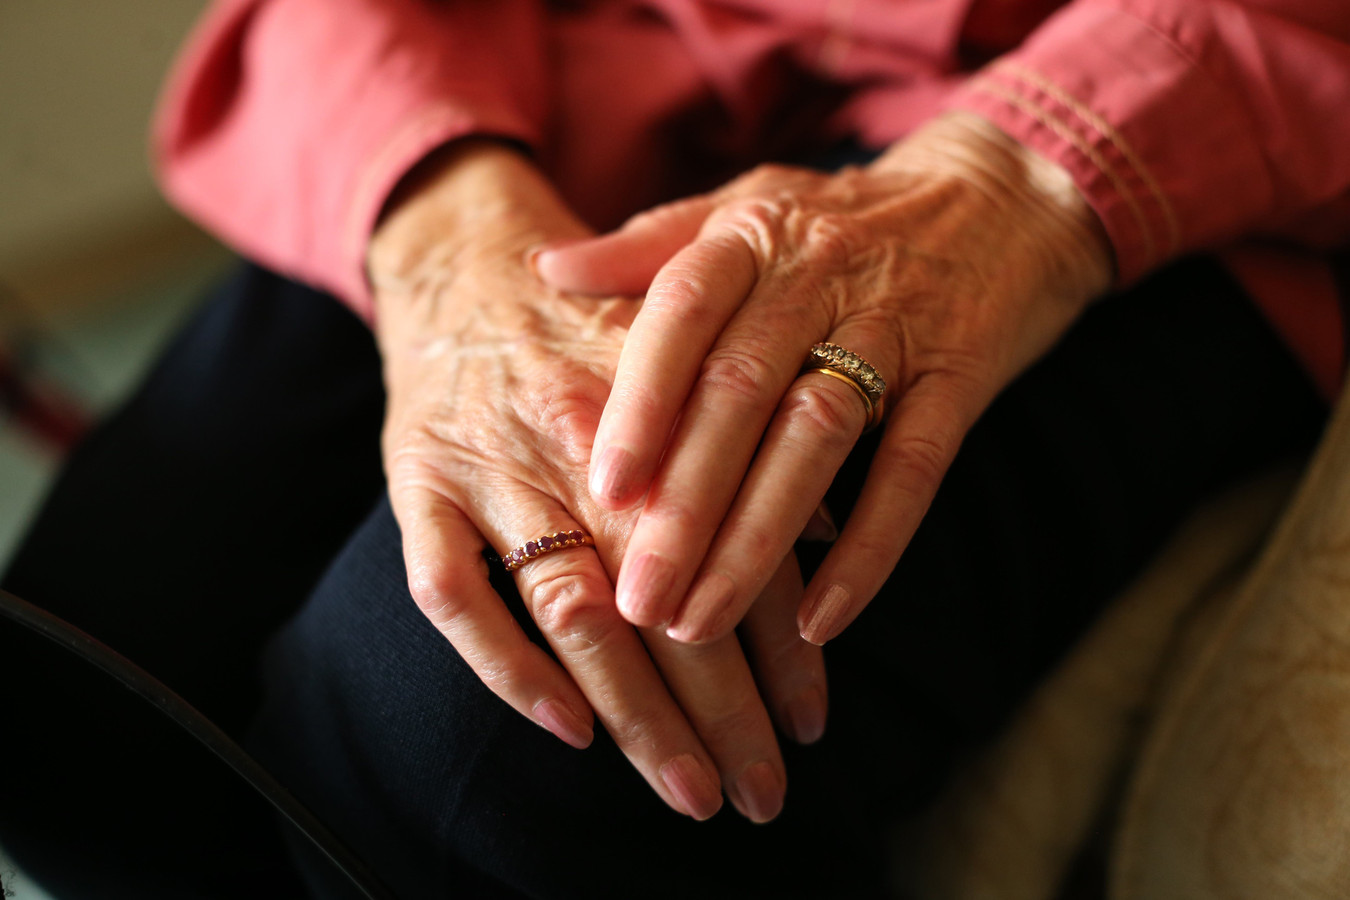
495 386
950 264
526 399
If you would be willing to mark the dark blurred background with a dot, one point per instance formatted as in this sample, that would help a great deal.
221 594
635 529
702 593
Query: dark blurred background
95 269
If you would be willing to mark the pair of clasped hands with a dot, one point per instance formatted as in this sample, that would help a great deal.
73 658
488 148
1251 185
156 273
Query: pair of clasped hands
645 386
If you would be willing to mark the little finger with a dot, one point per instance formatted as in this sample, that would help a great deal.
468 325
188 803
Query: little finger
922 437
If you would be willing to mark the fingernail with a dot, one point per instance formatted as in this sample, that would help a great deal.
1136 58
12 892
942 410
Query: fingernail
703 612
612 478
533 253
532 259
564 723
694 789
825 615
642 589
806 716
758 793
820 527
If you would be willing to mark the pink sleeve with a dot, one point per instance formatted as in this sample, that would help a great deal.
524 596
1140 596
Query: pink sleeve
286 123
1187 122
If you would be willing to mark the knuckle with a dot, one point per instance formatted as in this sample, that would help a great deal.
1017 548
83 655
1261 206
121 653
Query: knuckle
501 674
681 294
739 373
757 222
433 588
572 610
568 417
829 414
760 550
635 726
637 398
674 514
731 719
875 553
407 451
767 175
774 172
922 456
656 217
836 240
744 711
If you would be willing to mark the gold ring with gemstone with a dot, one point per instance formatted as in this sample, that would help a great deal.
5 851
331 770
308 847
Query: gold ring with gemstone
554 540
845 365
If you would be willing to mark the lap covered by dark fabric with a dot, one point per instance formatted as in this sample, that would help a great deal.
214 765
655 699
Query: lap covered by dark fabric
246 472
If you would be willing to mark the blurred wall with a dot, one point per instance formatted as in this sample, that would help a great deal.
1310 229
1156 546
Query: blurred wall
79 214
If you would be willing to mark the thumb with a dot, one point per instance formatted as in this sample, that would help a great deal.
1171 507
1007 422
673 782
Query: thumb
624 261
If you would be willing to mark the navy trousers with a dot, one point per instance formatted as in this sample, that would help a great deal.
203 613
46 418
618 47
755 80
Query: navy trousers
228 530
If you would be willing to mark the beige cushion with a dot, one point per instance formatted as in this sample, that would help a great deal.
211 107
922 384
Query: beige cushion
1242 789
1010 827
1204 723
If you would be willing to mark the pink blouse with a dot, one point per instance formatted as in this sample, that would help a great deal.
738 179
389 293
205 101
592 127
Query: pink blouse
1187 124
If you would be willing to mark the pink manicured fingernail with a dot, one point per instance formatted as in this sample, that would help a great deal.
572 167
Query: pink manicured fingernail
758 793
694 789
806 716
612 479
642 589
564 723
825 615
703 612
820 527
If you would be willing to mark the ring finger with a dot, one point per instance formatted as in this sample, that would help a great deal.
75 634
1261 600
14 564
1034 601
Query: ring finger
715 692
814 430
568 594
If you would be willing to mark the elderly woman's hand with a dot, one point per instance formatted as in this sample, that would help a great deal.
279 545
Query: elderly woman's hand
949 264
495 386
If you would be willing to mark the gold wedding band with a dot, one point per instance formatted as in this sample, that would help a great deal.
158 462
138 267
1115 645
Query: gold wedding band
847 366
531 550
